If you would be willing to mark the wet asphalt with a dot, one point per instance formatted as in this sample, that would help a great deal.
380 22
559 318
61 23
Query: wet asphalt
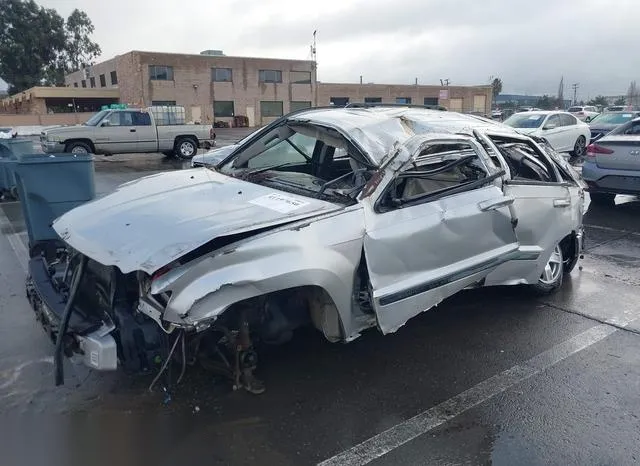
582 407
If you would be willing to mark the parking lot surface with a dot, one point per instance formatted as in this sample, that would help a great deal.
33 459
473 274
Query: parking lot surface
492 376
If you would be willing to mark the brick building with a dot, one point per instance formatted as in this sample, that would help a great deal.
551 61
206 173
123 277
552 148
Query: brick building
215 87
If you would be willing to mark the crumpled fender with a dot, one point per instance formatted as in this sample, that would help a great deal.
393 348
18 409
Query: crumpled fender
323 252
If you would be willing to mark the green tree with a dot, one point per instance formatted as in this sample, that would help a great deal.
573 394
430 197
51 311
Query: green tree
496 86
37 46
599 100
620 101
547 103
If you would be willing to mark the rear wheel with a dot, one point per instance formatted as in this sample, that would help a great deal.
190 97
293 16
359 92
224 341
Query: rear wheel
186 148
580 147
603 198
551 278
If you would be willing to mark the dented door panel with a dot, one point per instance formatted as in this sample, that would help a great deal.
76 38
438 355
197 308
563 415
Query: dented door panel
545 216
419 255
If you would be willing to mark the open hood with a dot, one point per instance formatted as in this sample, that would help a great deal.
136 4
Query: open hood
148 223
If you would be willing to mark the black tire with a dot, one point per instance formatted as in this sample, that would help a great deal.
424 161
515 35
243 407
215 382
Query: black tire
604 199
580 147
548 284
186 148
78 148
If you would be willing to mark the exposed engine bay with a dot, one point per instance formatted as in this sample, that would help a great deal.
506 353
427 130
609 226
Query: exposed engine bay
108 327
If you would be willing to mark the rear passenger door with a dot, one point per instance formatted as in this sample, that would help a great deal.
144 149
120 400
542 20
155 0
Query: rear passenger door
441 224
547 207
145 131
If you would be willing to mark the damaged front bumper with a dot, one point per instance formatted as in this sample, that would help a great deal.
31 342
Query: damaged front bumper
102 331
87 336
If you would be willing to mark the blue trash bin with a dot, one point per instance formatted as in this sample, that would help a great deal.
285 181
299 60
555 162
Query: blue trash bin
50 185
11 149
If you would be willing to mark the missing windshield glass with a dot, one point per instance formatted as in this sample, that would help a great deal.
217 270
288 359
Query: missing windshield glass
306 159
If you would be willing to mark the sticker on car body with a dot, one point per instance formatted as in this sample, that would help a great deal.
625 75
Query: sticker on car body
279 202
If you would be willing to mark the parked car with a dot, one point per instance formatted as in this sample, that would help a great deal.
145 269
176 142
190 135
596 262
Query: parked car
612 165
564 132
124 131
343 219
608 121
584 113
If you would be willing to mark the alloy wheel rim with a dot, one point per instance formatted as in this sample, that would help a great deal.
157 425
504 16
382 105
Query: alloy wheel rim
186 149
579 149
79 150
553 267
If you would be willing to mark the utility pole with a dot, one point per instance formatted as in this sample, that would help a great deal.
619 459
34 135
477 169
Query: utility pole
314 58
575 87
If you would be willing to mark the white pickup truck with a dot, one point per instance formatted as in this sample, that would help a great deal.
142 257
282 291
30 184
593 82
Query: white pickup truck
121 131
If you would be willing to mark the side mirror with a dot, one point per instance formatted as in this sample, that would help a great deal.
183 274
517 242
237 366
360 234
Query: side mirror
549 126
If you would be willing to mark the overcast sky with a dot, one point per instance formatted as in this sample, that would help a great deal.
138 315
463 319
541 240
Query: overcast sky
529 44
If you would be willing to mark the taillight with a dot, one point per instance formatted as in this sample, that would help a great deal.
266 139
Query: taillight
595 149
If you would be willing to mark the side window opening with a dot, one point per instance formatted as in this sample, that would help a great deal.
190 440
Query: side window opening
440 170
525 162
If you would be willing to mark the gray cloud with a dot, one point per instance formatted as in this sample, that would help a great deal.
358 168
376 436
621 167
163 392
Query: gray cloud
530 45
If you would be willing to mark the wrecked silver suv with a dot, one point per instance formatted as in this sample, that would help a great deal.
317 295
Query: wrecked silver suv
338 218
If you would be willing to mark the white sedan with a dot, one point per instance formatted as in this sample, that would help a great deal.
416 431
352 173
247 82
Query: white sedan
562 130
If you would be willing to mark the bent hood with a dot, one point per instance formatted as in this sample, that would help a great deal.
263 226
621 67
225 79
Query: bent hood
148 223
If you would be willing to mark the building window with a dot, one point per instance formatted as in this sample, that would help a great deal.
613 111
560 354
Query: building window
403 100
300 77
270 76
92 82
163 103
103 81
299 105
271 108
339 101
223 108
114 78
84 83
430 101
373 100
221 75
160 73
75 84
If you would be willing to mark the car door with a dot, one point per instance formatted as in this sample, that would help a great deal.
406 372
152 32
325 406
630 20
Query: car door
553 131
572 130
440 224
547 207
147 137
116 134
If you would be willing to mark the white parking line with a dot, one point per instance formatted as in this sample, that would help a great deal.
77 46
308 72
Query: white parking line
381 444
15 241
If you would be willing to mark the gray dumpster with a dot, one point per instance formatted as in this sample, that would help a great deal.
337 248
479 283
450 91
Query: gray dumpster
50 185
11 149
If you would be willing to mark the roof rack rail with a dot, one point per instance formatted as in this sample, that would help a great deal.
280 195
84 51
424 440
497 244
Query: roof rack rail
380 104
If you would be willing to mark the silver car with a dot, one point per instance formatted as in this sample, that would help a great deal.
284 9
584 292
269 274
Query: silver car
612 165
343 219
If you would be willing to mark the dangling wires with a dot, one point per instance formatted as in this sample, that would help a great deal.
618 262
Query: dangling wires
166 362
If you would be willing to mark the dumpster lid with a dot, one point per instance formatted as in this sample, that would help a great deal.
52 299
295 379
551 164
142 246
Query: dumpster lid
55 158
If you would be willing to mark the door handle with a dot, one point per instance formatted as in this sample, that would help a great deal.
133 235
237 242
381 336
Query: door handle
132 130
494 204
561 202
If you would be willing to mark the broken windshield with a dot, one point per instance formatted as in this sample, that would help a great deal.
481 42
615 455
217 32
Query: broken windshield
301 158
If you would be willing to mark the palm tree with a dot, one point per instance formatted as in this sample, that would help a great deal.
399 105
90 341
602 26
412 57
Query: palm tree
496 85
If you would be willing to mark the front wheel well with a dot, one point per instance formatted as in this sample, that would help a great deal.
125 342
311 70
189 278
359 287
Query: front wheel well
275 315
88 142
